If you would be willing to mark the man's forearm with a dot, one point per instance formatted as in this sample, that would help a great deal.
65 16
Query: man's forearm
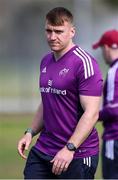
83 129
37 123
90 105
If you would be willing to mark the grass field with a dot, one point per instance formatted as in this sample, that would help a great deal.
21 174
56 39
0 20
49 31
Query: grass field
12 126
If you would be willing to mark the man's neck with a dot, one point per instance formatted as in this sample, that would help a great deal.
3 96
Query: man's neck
60 53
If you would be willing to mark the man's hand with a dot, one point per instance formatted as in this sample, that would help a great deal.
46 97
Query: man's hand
62 160
23 144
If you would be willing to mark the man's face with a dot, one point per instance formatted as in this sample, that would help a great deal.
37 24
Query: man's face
106 54
59 37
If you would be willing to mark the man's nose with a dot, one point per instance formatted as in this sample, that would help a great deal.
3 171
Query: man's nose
53 36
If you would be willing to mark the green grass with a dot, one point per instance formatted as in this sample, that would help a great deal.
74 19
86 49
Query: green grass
11 129
100 130
12 126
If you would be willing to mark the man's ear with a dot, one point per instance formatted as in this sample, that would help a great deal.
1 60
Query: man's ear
72 31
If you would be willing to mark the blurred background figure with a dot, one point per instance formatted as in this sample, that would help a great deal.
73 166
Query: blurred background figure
109 113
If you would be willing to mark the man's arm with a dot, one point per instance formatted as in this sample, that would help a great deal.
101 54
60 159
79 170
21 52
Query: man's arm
84 127
37 123
36 127
91 105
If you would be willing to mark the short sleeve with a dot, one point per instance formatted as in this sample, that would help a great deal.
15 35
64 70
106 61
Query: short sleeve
89 79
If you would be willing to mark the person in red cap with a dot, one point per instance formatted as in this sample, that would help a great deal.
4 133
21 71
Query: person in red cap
109 113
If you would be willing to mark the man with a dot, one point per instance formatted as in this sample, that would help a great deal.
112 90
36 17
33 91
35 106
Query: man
109 113
70 86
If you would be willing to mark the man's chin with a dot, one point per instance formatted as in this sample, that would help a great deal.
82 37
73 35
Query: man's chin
55 49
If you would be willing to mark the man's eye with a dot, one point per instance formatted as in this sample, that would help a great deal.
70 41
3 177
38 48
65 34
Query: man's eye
48 31
58 31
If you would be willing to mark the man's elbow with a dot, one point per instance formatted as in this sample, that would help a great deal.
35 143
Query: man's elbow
96 116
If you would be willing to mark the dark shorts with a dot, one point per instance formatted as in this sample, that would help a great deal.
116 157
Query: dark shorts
110 159
38 166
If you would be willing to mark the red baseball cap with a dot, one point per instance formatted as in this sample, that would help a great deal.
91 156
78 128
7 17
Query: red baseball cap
109 38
